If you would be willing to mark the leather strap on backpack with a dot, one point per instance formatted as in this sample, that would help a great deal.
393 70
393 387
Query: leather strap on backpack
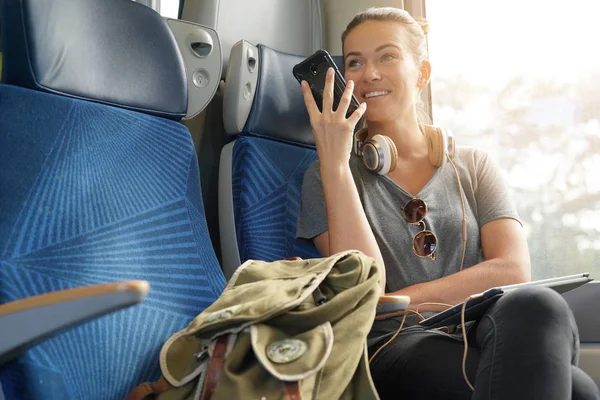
146 389
291 391
215 366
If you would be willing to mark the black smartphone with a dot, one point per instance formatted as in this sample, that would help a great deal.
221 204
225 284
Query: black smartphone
313 70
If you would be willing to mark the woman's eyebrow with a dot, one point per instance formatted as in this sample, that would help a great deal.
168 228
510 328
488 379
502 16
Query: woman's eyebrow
383 46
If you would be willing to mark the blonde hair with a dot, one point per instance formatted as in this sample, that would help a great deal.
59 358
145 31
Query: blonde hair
417 30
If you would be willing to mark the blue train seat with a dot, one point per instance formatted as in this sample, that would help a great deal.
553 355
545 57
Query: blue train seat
261 170
99 183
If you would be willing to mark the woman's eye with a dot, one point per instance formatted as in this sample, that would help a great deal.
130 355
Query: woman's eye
353 64
388 57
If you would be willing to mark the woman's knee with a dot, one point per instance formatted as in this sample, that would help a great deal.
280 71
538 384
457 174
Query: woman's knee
584 388
533 310
535 300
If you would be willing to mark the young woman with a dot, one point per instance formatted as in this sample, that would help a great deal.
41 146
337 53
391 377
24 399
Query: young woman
414 220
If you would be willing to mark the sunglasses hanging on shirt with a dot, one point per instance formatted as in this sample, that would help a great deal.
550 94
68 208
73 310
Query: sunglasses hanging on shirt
425 242
379 154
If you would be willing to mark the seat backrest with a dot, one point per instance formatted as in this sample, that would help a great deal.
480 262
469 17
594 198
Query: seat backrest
99 182
261 172
293 26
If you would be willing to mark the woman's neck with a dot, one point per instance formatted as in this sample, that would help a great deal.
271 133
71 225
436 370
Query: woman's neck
405 133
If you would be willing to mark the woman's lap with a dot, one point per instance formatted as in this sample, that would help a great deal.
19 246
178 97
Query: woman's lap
525 327
424 363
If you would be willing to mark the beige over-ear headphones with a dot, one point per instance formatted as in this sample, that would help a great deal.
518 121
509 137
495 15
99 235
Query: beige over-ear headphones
380 155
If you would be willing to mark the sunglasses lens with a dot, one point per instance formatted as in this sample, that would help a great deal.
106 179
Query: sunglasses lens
414 211
424 243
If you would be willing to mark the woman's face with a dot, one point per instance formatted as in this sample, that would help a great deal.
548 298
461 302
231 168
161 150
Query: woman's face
377 58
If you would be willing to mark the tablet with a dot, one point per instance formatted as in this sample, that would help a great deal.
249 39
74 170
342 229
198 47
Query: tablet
560 284
479 303
476 307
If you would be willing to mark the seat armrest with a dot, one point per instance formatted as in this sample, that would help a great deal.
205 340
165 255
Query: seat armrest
28 322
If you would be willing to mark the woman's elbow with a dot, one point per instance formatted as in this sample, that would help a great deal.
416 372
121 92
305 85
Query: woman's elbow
521 270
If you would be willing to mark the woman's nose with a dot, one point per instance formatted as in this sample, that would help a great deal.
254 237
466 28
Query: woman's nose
371 73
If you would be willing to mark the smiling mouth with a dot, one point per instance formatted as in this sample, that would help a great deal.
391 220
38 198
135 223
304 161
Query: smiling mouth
378 93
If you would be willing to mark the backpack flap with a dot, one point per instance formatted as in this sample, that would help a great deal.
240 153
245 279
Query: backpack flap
265 359
292 358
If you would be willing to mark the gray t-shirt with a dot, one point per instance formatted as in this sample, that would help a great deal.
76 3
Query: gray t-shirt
486 199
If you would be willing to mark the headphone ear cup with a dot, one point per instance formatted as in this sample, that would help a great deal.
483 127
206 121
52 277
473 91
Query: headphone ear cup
436 142
370 156
393 153
380 154
360 137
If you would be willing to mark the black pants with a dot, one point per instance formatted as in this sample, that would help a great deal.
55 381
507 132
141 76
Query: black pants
525 347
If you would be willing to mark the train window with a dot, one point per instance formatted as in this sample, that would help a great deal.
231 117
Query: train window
166 8
169 8
520 79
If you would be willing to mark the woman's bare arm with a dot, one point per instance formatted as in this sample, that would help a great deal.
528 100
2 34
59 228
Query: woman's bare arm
347 223
348 228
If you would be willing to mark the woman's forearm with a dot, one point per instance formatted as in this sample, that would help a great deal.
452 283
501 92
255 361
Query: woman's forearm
455 288
348 227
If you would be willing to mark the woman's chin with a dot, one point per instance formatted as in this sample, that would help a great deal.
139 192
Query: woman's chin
387 114
378 116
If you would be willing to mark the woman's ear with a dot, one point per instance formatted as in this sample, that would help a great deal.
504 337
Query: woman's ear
424 74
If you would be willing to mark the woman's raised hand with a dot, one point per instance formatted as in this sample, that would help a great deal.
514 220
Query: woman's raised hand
331 129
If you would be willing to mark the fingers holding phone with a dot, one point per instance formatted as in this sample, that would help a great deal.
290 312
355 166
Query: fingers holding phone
346 103
328 107
328 92
331 129
332 107
310 103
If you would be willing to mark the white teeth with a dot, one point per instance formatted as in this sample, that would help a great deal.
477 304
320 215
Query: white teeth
374 94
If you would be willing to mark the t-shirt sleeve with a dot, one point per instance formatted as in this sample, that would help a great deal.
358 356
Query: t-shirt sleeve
312 213
492 193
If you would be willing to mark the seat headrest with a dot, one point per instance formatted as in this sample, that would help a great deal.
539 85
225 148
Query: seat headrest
263 98
116 52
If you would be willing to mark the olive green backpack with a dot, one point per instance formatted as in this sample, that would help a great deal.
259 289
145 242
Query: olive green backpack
289 329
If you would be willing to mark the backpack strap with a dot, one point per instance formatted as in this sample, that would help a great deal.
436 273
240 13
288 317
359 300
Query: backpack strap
291 390
215 366
146 389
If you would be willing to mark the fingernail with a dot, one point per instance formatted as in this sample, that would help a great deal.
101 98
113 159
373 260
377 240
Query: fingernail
363 105
303 84
330 71
350 83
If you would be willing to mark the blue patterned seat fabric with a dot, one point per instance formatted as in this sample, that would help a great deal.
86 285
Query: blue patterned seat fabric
267 181
94 193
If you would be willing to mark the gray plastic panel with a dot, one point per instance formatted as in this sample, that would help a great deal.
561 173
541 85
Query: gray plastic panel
153 4
584 303
589 360
240 86
291 26
230 253
24 329
201 50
